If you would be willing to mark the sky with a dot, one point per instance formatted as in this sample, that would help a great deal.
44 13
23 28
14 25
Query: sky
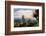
28 13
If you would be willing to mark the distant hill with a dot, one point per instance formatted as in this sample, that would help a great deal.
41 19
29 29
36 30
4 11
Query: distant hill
26 19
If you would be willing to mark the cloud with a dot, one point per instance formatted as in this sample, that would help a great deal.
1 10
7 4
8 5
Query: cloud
26 13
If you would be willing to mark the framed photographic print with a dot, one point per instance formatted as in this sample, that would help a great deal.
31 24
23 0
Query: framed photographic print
24 17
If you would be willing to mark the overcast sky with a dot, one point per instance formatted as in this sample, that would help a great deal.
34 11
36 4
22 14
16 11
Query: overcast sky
26 13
